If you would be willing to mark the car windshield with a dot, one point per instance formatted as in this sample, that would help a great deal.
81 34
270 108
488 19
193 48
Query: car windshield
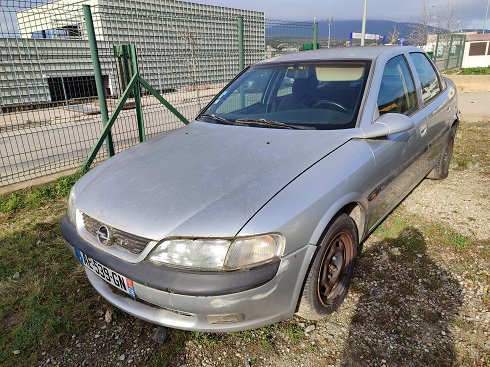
311 95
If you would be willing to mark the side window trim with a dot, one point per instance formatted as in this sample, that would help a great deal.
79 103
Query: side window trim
418 107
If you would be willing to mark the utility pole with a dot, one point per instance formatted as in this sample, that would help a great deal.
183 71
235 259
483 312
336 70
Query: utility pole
486 16
315 34
329 26
363 33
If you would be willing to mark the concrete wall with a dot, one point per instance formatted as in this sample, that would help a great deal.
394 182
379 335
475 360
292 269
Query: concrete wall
471 83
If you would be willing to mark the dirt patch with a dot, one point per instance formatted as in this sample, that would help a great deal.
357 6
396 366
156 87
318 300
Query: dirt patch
461 201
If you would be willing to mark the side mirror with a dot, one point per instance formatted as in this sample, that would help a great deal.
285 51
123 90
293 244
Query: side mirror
387 124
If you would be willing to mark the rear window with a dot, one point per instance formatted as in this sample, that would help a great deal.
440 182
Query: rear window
427 75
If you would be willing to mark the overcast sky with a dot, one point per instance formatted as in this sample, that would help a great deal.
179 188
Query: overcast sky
471 12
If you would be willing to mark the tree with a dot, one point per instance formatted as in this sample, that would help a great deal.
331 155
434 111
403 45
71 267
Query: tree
420 30
393 35
448 19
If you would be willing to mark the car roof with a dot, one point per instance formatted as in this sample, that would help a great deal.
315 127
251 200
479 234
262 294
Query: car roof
343 53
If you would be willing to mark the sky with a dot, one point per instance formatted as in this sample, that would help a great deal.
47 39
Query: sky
470 12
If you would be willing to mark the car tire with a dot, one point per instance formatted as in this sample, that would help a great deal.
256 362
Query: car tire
441 170
331 272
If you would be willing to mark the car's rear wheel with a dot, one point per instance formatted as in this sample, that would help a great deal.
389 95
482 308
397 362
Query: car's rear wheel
330 274
441 170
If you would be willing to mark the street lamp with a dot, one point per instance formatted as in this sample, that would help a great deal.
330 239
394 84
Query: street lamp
329 25
363 32
486 16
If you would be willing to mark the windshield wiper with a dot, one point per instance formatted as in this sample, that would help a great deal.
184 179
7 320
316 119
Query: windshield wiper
271 123
218 119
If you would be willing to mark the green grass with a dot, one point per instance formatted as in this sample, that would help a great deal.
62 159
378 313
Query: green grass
470 71
475 71
41 307
36 197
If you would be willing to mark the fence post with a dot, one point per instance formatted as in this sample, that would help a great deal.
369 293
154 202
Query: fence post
241 56
137 93
315 35
437 46
99 82
462 41
449 51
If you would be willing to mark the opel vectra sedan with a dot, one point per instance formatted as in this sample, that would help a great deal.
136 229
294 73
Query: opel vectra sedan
255 210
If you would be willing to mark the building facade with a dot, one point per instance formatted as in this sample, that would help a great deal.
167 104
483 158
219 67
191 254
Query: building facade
477 51
179 45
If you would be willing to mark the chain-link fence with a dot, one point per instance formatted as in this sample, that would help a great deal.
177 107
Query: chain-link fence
50 116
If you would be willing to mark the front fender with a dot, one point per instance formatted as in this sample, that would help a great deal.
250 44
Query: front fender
303 209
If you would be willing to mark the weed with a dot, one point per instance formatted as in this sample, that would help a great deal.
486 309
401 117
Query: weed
293 332
458 240
462 162
265 343
312 347
206 340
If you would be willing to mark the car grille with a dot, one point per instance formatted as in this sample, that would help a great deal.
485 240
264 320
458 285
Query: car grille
130 242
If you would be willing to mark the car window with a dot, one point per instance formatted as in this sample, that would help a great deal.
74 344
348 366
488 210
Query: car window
397 91
427 75
286 87
320 94
249 93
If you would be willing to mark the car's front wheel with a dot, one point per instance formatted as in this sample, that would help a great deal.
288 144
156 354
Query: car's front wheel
330 274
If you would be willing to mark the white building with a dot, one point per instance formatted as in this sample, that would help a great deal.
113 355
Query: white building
477 51
179 44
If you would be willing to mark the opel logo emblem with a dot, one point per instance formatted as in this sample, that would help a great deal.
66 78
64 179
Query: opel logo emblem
104 236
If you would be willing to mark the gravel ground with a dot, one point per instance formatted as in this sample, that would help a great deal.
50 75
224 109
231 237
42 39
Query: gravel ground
462 201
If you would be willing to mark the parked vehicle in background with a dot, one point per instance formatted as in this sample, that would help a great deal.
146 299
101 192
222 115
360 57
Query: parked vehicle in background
255 210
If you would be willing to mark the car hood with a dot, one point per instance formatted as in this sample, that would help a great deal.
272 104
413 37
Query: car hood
201 180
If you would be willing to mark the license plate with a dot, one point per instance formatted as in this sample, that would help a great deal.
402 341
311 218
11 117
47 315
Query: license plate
110 276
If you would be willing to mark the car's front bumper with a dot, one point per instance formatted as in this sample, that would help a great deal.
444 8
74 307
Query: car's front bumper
258 298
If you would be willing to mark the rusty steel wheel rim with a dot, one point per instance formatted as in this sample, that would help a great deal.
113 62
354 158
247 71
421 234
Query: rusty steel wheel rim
332 271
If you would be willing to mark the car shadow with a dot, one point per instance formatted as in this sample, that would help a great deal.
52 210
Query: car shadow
406 305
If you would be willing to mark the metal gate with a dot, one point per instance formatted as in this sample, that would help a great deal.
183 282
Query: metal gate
449 51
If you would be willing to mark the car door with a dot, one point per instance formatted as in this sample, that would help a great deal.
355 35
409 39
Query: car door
401 159
436 109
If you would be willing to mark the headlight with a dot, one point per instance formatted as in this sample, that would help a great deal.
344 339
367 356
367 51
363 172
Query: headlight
219 254
72 210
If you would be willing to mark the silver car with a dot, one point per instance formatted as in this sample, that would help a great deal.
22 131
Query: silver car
256 209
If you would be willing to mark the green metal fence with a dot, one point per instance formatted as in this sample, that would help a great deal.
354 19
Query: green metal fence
449 50
50 113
